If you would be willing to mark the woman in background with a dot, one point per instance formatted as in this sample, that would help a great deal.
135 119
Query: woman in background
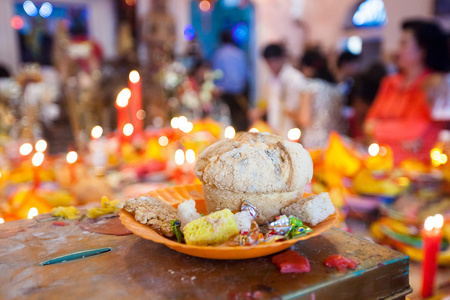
401 114
319 110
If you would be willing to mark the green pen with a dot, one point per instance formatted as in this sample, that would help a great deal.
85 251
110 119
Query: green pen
75 256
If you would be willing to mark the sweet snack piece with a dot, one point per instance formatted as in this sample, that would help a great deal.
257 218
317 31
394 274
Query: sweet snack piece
187 212
291 262
213 229
264 169
312 210
243 220
153 212
340 263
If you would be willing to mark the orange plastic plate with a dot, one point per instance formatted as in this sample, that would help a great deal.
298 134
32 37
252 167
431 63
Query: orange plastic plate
177 194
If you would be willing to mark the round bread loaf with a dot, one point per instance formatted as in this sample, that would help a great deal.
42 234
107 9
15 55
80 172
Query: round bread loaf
264 169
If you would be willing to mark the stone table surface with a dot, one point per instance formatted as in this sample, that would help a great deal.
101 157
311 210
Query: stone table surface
136 268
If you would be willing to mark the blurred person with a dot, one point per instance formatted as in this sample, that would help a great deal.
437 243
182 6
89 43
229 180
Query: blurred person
282 92
320 101
232 62
363 94
401 114
347 68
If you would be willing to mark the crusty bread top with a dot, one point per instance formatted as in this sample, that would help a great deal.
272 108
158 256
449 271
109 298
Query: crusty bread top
255 162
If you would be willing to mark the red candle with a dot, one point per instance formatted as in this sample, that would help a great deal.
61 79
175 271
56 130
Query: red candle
137 113
36 161
122 111
72 158
432 235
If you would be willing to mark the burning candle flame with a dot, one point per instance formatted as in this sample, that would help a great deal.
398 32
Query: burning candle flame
33 212
123 98
38 159
97 132
25 149
190 156
41 146
374 149
72 157
128 129
179 157
433 222
134 76
230 132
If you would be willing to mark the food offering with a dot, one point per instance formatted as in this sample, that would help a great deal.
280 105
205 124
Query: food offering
253 197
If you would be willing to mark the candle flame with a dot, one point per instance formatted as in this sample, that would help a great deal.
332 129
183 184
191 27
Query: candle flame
38 159
374 149
123 98
439 221
41 146
294 134
25 149
230 132
254 130
134 76
179 157
433 222
190 156
2 221
33 212
72 157
97 132
128 129
163 141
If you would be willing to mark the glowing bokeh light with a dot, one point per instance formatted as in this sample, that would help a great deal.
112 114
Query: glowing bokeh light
429 224
17 23
355 44
163 141
72 157
294 134
204 5
2 221
190 156
175 123
40 146
254 130
46 10
240 33
30 9
374 149
38 159
134 76
188 32
230 132
25 149
141 114
97 132
179 157
370 13
128 129
187 127
33 212
123 98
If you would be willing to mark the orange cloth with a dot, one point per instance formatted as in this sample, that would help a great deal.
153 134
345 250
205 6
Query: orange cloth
401 114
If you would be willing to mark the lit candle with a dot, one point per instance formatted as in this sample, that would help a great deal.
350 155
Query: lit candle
432 235
36 161
72 158
122 101
137 113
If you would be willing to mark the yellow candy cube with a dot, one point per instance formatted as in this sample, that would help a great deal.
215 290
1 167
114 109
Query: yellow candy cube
213 229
